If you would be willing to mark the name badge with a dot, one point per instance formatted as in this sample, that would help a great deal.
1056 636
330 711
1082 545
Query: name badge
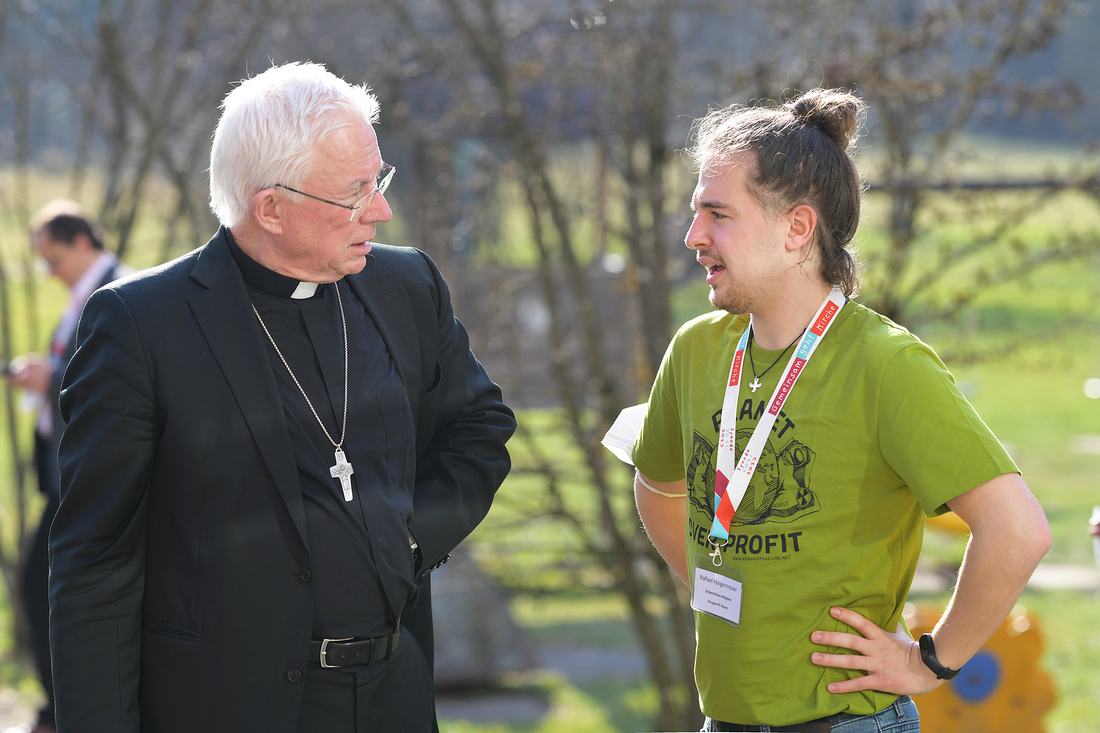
717 591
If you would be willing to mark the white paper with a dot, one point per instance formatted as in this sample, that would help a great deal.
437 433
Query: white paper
717 595
624 431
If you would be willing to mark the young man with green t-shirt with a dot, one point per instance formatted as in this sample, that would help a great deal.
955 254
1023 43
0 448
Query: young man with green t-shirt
800 539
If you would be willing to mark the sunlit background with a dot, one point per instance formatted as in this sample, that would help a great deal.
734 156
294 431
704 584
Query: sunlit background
538 146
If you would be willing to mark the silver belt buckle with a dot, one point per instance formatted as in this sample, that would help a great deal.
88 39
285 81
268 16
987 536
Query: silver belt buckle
324 651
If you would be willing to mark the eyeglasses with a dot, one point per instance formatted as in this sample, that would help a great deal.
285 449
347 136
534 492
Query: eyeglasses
381 183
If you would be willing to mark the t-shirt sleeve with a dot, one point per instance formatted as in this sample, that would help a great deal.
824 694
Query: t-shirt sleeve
659 449
930 435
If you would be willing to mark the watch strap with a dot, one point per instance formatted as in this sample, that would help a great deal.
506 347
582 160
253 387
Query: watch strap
928 656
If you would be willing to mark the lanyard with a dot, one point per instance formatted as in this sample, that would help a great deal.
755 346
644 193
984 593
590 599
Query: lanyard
731 477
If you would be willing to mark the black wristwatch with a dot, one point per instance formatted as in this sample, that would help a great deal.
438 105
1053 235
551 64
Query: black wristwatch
928 656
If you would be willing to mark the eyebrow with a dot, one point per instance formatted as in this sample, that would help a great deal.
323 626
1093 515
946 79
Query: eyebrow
712 205
354 187
357 186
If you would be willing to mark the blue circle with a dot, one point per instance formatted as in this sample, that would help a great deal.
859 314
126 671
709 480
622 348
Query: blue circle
978 678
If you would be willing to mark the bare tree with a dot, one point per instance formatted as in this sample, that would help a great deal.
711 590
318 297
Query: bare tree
532 71
15 94
931 73
146 77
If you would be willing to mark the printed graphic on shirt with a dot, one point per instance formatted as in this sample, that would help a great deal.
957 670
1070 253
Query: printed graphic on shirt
780 490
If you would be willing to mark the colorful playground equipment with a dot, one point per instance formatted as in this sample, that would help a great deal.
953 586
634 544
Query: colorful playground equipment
1002 689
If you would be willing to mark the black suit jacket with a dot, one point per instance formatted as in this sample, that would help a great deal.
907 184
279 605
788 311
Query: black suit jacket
180 583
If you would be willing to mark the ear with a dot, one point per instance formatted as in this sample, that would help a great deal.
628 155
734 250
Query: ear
803 223
268 211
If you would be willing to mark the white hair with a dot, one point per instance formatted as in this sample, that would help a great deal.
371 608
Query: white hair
270 127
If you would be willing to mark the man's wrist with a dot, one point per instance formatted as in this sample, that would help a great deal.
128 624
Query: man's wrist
928 656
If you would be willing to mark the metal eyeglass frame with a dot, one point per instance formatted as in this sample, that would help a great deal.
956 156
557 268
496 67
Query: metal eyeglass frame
381 183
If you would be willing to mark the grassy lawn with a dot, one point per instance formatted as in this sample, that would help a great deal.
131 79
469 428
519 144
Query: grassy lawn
1069 623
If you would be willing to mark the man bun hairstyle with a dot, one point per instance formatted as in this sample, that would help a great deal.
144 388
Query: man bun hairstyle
837 114
804 152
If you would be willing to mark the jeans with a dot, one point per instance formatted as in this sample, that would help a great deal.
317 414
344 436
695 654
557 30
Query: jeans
900 717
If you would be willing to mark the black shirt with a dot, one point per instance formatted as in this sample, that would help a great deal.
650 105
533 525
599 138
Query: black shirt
361 562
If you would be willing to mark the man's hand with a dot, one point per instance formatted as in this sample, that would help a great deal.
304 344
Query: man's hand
31 372
892 661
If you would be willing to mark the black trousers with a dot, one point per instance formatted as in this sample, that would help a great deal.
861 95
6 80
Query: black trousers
36 599
394 695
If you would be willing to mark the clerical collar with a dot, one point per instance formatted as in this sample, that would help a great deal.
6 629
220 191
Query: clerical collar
273 283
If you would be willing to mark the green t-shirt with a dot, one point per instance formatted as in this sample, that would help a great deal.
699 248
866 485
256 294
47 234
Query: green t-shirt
874 436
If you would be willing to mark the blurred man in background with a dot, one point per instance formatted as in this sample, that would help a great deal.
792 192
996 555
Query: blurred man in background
71 245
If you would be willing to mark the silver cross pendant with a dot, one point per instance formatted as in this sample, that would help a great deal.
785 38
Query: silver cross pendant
343 471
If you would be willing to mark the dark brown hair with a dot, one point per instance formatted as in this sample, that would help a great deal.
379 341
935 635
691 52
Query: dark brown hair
62 220
803 156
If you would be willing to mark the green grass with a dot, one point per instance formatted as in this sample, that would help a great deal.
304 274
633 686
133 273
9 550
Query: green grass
1071 635
571 709
1069 622
1036 404
521 542
584 620
990 157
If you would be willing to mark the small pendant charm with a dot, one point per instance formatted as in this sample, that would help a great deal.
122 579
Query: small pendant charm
343 471
755 384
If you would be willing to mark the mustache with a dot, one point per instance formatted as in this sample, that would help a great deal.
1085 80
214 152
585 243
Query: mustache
713 259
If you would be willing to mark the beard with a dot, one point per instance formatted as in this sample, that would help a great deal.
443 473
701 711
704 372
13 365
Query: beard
729 300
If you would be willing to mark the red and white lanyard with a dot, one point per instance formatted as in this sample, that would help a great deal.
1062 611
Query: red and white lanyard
731 476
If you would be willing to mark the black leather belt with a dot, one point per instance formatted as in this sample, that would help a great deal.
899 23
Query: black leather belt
344 652
821 725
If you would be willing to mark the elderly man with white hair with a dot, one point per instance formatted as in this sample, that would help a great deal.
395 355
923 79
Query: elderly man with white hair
271 441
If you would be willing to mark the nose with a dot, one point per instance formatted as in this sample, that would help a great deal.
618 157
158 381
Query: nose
696 238
376 210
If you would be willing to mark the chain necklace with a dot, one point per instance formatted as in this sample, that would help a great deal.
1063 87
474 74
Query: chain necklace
342 470
755 383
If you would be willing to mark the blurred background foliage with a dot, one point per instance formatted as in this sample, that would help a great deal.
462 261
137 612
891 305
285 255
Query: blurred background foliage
538 145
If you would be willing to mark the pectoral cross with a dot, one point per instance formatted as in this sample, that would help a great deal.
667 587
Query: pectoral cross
755 384
343 471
